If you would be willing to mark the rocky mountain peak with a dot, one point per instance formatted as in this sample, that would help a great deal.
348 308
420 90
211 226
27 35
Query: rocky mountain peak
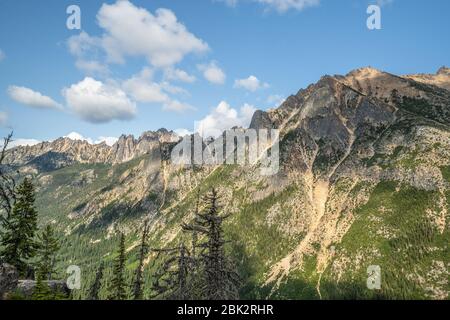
68 150
364 73
443 71
440 79
127 147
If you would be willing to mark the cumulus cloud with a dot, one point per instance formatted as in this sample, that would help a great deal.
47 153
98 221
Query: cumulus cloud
86 50
212 72
133 31
166 86
142 88
32 98
175 105
2 55
92 67
178 75
83 44
97 102
251 83
281 5
224 117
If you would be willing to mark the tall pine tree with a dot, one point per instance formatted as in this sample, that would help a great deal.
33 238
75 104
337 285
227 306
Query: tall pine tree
47 248
137 285
18 237
117 289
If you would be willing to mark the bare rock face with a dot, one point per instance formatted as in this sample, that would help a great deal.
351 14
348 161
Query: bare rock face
261 120
63 152
8 279
128 148
440 79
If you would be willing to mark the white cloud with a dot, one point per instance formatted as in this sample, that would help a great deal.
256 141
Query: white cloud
166 86
142 89
97 102
86 50
83 44
280 5
178 75
92 67
23 142
224 117
251 83
182 132
175 105
77 136
212 73
32 98
2 55
129 30
3 118
133 31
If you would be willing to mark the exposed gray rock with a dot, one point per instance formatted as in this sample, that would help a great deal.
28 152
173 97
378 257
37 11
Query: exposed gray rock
8 279
26 287
62 152
261 120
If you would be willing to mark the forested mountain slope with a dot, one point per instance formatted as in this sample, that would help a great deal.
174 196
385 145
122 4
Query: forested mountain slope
364 180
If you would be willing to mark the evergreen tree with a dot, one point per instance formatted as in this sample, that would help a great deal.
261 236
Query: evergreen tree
18 241
47 247
41 290
137 286
118 287
95 288
221 279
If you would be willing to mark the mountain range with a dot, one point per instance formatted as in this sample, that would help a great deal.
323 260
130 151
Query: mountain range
364 181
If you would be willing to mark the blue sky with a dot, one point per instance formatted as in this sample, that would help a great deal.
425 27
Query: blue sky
133 67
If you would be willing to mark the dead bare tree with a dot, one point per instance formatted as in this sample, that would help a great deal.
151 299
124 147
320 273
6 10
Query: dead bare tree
7 183
221 281
143 250
173 278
